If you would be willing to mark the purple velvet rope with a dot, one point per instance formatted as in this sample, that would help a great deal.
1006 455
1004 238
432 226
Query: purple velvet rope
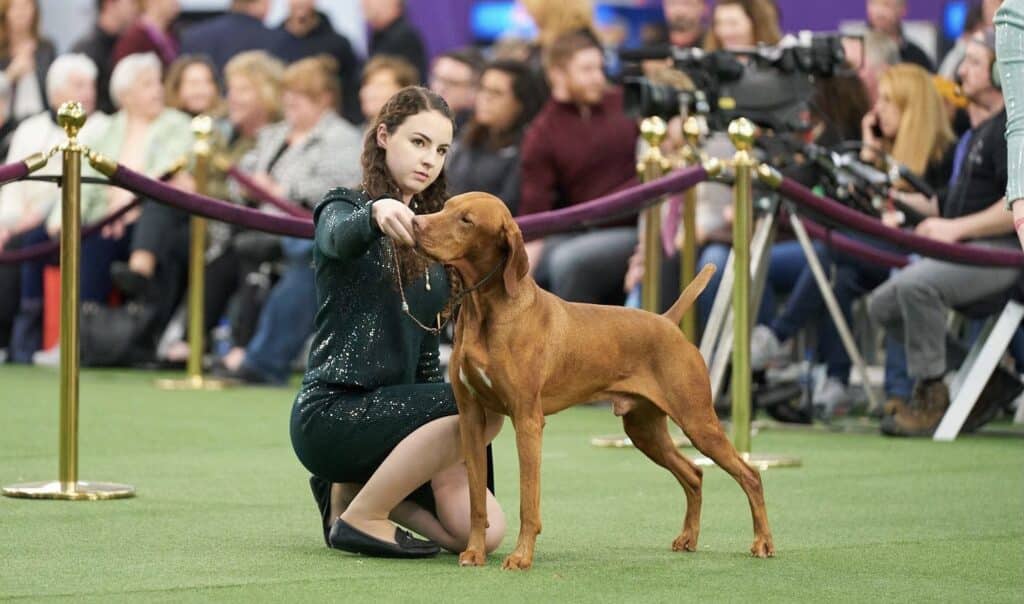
950 252
45 248
288 207
209 207
853 247
533 226
628 200
13 171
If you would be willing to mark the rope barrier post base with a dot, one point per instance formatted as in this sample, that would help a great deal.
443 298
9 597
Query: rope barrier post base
71 117
202 127
78 491
758 461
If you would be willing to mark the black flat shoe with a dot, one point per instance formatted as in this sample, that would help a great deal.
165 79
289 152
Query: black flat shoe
345 537
322 495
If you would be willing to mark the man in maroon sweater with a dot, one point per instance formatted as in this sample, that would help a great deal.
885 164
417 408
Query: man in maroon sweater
580 146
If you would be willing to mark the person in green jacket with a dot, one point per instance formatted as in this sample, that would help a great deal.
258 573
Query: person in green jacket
1009 22
374 421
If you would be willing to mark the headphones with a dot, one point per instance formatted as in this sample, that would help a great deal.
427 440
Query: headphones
988 40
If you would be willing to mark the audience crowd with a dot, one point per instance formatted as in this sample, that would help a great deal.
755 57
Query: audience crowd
540 124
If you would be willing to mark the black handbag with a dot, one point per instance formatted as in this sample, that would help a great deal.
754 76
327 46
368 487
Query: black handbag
116 337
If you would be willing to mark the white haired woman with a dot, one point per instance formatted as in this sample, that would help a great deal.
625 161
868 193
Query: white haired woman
144 136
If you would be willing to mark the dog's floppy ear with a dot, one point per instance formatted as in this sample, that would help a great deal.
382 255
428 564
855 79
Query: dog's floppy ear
517 265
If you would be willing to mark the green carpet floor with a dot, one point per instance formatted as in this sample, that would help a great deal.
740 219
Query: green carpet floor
223 512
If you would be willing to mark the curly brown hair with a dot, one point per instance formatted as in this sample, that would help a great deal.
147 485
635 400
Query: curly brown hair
378 182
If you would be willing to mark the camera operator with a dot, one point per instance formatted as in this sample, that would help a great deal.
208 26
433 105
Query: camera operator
912 305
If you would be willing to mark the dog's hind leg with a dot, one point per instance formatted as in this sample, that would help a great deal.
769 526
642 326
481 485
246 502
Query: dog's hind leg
707 436
647 428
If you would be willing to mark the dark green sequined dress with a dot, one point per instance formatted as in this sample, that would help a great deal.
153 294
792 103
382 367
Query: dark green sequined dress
373 375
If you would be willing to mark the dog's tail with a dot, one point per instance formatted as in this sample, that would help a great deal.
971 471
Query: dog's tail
686 299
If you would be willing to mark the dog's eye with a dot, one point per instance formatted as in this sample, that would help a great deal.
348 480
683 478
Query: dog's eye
465 219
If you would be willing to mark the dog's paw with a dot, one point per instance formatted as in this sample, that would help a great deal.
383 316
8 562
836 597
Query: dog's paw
686 542
472 557
517 561
763 547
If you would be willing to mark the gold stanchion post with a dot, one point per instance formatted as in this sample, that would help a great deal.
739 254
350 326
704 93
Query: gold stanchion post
651 166
688 251
202 128
71 117
742 133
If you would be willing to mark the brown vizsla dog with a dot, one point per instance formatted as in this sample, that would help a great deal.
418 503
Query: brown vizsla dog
523 352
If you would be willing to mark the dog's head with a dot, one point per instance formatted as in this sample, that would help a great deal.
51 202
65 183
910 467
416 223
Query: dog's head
474 233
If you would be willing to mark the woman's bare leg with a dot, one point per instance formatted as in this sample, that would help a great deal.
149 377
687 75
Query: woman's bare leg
451 493
416 460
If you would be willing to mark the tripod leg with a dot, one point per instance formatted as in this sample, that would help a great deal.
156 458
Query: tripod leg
833 308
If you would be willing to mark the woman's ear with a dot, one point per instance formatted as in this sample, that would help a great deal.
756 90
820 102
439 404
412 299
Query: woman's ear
382 136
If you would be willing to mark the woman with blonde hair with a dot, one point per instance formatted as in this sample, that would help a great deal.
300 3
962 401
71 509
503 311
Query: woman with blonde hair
299 159
908 122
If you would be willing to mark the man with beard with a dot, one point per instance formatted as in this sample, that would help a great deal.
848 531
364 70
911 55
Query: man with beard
579 147
685 22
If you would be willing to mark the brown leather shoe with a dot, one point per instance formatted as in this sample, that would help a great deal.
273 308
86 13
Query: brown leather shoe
922 414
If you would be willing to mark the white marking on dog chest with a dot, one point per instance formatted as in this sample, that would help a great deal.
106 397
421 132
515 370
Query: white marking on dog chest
465 381
483 375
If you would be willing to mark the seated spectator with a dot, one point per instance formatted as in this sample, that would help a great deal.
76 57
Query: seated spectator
238 30
392 34
912 305
146 136
742 24
112 19
579 147
738 25
300 159
151 32
685 22
871 56
25 58
455 76
486 155
25 205
191 86
253 101
307 32
911 119
886 17
382 77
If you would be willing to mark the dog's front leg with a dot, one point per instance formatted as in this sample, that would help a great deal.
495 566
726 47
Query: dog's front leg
529 429
472 421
